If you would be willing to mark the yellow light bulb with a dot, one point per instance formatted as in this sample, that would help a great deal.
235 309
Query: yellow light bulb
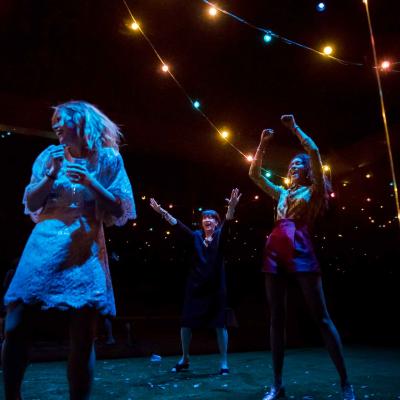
326 168
225 134
328 50
250 158
212 11
134 26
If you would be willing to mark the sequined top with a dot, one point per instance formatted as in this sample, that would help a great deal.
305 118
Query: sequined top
301 202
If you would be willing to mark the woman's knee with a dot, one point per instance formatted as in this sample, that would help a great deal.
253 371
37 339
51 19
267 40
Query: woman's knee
16 322
324 321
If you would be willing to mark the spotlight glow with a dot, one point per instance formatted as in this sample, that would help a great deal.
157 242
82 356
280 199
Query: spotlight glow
212 11
326 168
250 158
165 68
196 104
286 181
135 26
321 6
328 50
268 174
385 65
225 134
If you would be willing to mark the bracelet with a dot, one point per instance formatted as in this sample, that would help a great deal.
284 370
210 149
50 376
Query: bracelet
164 214
50 176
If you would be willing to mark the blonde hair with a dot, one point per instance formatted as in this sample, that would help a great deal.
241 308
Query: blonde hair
92 125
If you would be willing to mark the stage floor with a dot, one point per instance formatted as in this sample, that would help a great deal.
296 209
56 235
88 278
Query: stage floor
375 373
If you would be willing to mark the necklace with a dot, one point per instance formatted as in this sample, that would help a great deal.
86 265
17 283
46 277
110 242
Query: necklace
207 240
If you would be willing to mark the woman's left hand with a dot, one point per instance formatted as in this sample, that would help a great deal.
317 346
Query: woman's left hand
234 199
78 173
288 121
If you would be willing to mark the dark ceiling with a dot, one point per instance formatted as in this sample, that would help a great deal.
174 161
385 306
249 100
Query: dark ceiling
53 51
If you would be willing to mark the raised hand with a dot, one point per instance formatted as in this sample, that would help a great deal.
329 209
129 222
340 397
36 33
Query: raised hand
288 121
266 136
155 206
234 199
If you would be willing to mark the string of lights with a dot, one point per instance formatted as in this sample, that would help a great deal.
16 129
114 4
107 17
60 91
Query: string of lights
269 35
383 111
224 134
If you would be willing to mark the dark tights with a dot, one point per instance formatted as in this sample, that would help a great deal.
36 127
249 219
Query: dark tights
311 286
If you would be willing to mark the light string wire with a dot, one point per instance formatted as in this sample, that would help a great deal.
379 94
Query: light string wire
181 87
277 36
267 173
383 111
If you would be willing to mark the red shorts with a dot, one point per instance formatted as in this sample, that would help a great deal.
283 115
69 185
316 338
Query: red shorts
289 249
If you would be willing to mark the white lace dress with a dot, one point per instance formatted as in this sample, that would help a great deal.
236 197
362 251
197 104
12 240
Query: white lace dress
64 264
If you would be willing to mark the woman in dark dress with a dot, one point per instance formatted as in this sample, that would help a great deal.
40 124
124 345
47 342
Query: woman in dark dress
289 251
205 297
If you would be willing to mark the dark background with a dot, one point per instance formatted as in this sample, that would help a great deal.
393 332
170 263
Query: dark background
55 51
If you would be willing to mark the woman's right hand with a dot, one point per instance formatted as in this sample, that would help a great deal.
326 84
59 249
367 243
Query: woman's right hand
57 156
266 136
155 206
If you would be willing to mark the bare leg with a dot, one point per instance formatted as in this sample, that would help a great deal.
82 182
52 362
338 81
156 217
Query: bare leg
222 338
82 355
311 285
15 350
186 338
275 286
109 334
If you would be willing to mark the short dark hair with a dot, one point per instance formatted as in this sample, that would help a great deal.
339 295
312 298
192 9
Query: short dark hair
211 213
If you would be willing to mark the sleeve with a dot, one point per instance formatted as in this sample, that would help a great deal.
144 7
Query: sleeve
185 230
118 184
270 188
317 174
40 166
262 181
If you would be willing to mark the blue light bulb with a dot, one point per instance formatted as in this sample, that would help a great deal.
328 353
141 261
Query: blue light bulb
267 37
196 104
321 7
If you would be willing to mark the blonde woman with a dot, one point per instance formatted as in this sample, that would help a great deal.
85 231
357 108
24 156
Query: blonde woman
76 186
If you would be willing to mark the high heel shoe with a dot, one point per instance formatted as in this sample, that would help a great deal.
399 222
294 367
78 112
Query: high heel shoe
274 393
180 367
348 392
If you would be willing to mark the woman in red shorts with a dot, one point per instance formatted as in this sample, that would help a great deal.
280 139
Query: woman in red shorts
289 251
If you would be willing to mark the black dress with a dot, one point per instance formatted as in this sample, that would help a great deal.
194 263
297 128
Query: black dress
205 297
